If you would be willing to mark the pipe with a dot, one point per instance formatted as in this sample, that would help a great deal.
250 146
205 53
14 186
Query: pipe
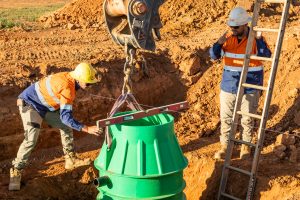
102 181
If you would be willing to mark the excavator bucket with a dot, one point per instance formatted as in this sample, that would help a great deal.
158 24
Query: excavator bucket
133 22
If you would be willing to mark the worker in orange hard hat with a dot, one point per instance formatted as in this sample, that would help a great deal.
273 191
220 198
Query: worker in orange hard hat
50 100
232 47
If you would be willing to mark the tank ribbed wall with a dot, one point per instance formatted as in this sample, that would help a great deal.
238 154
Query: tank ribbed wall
144 162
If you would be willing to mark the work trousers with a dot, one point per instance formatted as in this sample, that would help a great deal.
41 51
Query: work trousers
227 103
32 122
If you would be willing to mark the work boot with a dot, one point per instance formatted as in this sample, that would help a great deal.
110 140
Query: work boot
245 152
72 161
15 179
221 153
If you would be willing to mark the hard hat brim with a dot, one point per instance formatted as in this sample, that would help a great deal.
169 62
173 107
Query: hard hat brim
233 23
73 75
93 81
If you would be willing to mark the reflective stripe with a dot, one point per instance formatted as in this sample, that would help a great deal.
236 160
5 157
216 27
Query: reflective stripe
41 98
239 69
235 55
49 89
66 107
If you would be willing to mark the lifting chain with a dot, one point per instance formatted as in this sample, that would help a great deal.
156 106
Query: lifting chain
126 96
129 67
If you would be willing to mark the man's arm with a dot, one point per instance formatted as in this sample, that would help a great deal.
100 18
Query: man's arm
66 114
263 49
215 51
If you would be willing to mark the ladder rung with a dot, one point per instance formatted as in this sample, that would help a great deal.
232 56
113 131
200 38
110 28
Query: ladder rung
273 1
243 142
265 29
261 58
229 196
254 86
249 114
239 170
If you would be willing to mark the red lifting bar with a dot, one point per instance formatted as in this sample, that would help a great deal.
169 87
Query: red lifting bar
142 113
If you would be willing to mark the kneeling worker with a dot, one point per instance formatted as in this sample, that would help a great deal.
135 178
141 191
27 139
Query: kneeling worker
51 99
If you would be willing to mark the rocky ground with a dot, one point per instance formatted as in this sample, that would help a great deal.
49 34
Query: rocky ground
180 69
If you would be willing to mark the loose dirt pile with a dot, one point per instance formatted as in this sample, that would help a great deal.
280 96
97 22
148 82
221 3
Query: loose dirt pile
184 17
189 16
77 14
179 69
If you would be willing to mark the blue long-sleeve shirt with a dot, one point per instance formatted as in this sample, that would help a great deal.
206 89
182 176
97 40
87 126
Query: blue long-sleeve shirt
30 96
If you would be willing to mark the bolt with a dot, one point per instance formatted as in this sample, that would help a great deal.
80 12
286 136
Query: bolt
139 8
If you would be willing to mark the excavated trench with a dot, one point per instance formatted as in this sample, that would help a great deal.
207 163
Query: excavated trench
157 88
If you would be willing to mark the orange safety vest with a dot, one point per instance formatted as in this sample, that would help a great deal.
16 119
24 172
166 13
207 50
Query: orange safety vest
56 91
234 54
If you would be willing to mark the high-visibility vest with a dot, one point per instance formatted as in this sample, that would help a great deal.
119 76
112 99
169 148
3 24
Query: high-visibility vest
56 91
234 53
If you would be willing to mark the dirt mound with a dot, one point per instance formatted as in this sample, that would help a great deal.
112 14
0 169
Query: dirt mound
189 16
77 14
183 17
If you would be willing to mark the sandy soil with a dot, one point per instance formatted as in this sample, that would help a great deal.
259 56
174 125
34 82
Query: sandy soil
180 69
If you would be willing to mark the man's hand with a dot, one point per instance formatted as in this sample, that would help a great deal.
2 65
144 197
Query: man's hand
92 130
222 39
258 35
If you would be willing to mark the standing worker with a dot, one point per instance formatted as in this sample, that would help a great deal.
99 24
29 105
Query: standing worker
51 99
232 47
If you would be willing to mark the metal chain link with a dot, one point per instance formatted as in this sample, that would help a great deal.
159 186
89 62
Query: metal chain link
128 68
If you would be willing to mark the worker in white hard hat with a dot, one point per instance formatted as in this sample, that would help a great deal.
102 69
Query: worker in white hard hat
51 100
232 47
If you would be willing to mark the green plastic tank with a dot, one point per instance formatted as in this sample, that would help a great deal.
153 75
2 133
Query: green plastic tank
144 162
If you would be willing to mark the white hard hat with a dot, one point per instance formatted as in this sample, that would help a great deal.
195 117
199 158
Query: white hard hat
238 16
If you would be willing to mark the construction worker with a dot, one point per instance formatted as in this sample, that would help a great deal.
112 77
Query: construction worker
51 99
232 47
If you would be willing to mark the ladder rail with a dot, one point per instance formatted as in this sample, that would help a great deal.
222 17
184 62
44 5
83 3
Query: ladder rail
269 93
238 101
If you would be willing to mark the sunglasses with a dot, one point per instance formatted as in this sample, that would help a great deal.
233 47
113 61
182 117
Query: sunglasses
235 27
88 84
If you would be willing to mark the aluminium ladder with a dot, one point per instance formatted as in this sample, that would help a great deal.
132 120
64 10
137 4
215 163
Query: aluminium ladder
269 90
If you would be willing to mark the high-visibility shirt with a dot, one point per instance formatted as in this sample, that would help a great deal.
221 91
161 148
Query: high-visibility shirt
233 52
53 93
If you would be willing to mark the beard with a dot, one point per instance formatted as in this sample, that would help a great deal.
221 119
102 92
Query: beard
240 34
